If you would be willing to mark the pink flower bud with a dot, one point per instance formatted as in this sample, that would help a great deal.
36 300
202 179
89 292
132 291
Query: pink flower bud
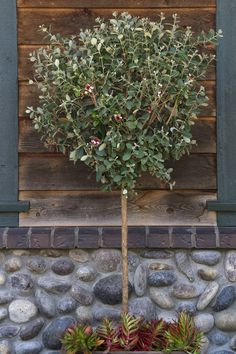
118 117
95 141
89 88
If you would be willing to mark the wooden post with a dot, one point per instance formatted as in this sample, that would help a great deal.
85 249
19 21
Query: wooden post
226 108
124 245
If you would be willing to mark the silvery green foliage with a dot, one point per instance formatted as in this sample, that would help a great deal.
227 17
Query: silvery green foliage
123 96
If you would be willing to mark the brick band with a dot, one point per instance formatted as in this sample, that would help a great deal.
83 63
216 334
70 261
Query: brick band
110 237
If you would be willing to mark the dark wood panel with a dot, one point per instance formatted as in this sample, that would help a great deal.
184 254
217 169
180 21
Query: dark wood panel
118 3
30 19
28 96
25 68
50 172
203 133
100 209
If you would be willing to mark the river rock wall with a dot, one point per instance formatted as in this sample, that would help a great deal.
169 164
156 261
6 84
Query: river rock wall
43 292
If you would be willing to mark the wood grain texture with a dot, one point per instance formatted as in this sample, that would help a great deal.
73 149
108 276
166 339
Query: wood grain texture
50 172
203 132
25 68
30 19
118 3
28 96
100 208
62 194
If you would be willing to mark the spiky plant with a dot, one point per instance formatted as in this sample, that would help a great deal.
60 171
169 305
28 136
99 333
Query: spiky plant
132 334
151 336
109 334
128 331
183 335
81 339
122 337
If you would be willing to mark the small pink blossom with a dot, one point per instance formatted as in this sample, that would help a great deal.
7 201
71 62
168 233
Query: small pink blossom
88 89
95 141
118 117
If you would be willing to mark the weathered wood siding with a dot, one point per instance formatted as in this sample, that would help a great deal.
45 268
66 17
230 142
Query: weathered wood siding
64 194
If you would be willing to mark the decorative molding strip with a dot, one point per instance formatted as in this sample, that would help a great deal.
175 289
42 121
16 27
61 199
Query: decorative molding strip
110 237
9 207
226 107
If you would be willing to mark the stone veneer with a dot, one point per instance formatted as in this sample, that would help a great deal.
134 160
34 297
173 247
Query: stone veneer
44 291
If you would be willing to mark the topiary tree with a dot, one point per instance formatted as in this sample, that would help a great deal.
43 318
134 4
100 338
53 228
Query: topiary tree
122 97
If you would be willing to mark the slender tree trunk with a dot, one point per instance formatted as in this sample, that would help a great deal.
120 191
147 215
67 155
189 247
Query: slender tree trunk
124 244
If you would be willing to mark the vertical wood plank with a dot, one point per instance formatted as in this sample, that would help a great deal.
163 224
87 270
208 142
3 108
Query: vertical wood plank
226 111
8 110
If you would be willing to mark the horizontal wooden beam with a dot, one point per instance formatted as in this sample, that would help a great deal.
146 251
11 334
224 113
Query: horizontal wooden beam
117 4
95 208
10 207
221 206
56 172
29 20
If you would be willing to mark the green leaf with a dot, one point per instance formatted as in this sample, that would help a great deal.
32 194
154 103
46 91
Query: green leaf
57 63
117 178
94 41
129 146
126 156
102 146
84 158
131 125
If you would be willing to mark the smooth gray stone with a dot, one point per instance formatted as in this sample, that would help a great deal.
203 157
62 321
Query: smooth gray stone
36 264
8 331
63 266
86 273
83 294
32 329
104 312
157 254
204 322
184 265
21 282
106 260
142 307
54 285
140 280
109 289
13 264
28 348
45 303
225 298
185 291
230 266
226 320
188 307
54 332
66 305
209 258
161 278
218 338
5 296
207 296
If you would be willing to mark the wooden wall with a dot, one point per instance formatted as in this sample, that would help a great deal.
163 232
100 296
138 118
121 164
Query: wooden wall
63 194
